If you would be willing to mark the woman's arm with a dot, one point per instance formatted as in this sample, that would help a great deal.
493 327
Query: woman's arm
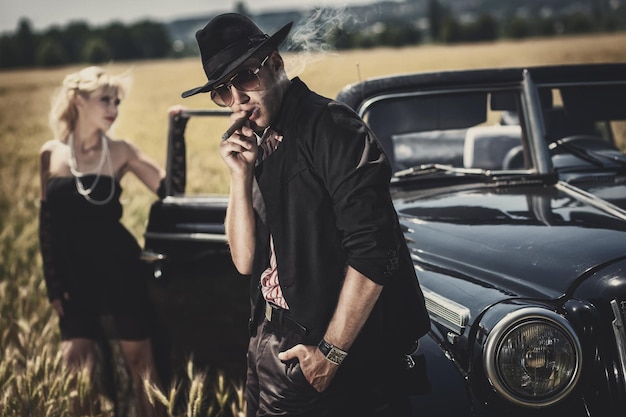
144 167
46 239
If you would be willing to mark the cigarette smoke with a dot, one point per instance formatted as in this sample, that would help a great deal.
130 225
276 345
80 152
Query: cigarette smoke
309 37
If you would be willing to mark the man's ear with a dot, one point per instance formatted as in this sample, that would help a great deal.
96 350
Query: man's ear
276 61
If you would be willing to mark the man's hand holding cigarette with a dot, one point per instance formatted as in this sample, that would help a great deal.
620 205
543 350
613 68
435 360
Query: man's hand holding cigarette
237 124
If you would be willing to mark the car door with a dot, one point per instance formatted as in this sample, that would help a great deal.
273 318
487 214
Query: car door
200 301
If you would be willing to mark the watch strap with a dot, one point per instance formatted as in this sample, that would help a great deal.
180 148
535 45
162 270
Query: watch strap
332 353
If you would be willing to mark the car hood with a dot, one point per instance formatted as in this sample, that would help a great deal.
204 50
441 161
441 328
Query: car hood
527 242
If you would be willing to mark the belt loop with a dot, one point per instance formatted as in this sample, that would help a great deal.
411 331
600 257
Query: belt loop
268 311
281 318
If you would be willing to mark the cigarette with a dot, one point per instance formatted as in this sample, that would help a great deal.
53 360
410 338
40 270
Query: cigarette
237 124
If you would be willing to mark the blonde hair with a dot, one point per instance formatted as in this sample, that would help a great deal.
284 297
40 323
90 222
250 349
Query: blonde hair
63 113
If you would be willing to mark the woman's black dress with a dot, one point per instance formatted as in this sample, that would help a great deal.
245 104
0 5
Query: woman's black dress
93 258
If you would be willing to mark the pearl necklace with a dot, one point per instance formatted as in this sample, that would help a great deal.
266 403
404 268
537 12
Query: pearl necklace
104 157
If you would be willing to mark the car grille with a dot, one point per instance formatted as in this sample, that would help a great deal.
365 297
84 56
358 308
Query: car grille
445 311
619 311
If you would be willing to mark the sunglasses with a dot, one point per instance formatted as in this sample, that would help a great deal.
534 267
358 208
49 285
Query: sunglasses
246 80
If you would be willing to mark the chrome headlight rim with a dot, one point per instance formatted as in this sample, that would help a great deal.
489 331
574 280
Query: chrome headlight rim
509 323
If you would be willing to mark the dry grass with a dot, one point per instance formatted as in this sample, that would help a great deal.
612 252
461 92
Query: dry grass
29 342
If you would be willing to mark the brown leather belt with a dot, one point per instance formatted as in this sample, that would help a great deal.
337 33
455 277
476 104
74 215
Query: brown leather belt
282 318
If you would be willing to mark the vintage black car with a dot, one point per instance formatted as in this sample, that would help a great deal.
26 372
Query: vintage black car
511 190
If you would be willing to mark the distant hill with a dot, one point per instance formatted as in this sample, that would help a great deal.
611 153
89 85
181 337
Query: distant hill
366 17
184 29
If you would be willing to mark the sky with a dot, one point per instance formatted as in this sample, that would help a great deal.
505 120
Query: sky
44 13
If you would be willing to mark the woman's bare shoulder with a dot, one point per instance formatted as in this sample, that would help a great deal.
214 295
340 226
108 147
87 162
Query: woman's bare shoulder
124 146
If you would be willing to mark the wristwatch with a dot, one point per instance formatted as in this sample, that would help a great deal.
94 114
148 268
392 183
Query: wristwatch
332 353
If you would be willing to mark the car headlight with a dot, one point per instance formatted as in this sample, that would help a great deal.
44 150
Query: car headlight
533 357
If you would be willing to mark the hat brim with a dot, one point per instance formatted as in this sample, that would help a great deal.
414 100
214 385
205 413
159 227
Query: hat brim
270 43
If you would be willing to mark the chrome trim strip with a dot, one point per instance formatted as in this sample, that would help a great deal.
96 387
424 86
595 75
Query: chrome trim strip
151 257
446 311
592 200
562 84
189 237
620 331
201 228
196 200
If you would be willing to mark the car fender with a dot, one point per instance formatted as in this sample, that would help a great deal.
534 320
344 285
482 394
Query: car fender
444 380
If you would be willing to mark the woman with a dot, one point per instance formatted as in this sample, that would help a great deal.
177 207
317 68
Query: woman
91 262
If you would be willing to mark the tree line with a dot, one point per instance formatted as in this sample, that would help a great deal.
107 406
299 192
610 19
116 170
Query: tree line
445 28
79 43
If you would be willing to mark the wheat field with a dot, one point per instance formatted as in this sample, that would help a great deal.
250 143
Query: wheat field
33 380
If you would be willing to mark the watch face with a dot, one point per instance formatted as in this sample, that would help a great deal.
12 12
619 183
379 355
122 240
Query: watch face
336 356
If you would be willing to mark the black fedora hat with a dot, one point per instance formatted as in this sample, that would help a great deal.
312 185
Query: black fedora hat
226 42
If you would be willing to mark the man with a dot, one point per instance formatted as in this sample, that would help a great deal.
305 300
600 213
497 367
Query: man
335 301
